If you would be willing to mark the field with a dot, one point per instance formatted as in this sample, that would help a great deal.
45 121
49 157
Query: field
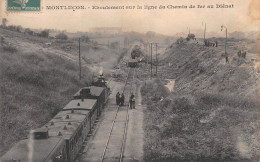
212 113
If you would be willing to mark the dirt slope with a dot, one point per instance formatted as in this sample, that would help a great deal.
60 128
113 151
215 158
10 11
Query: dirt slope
204 69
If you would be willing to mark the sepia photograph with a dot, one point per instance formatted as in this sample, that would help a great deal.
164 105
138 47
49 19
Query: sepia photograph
129 80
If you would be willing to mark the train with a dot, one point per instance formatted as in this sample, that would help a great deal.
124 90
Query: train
136 52
132 63
62 137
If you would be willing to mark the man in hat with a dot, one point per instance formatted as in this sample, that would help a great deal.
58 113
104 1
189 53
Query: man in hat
130 101
117 98
122 98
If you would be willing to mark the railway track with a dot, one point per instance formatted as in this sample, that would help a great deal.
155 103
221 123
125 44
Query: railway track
128 87
107 140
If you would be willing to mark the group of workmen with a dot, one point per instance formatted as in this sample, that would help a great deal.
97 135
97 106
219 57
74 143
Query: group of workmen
120 100
241 53
208 43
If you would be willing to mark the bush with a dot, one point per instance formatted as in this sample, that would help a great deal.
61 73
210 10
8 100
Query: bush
19 28
11 27
85 39
61 36
44 33
28 31
10 48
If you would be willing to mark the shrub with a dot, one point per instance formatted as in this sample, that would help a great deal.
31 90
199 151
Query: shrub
11 27
28 31
4 22
10 48
61 36
85 39
44 33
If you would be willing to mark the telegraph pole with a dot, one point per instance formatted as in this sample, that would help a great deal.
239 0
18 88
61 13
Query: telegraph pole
79 62
156 57
147 56
226 43
205 33
226 55
145 51
151 60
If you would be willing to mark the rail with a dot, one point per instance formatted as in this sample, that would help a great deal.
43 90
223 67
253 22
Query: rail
126 127
113 123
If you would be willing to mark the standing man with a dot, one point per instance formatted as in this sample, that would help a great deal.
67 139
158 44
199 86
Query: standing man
227 59
122 99
239 53
131 101
117 98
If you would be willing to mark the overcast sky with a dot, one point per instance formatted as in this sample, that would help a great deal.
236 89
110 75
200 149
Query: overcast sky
245 16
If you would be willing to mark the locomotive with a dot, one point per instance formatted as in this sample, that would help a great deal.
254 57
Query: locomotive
136 52
132 63
135 57
62 137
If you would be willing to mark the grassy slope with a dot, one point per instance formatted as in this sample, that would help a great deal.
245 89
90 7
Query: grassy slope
34 87
212 114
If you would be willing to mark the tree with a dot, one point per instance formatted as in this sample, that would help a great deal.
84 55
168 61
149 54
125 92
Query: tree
85 38
28 31
19 28
61 35
44 33
11 27
191 36
4 22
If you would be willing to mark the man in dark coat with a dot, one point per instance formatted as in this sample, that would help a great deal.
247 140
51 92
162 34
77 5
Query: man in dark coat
122 98
131 101
239 53
244 54
227 59
117 98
